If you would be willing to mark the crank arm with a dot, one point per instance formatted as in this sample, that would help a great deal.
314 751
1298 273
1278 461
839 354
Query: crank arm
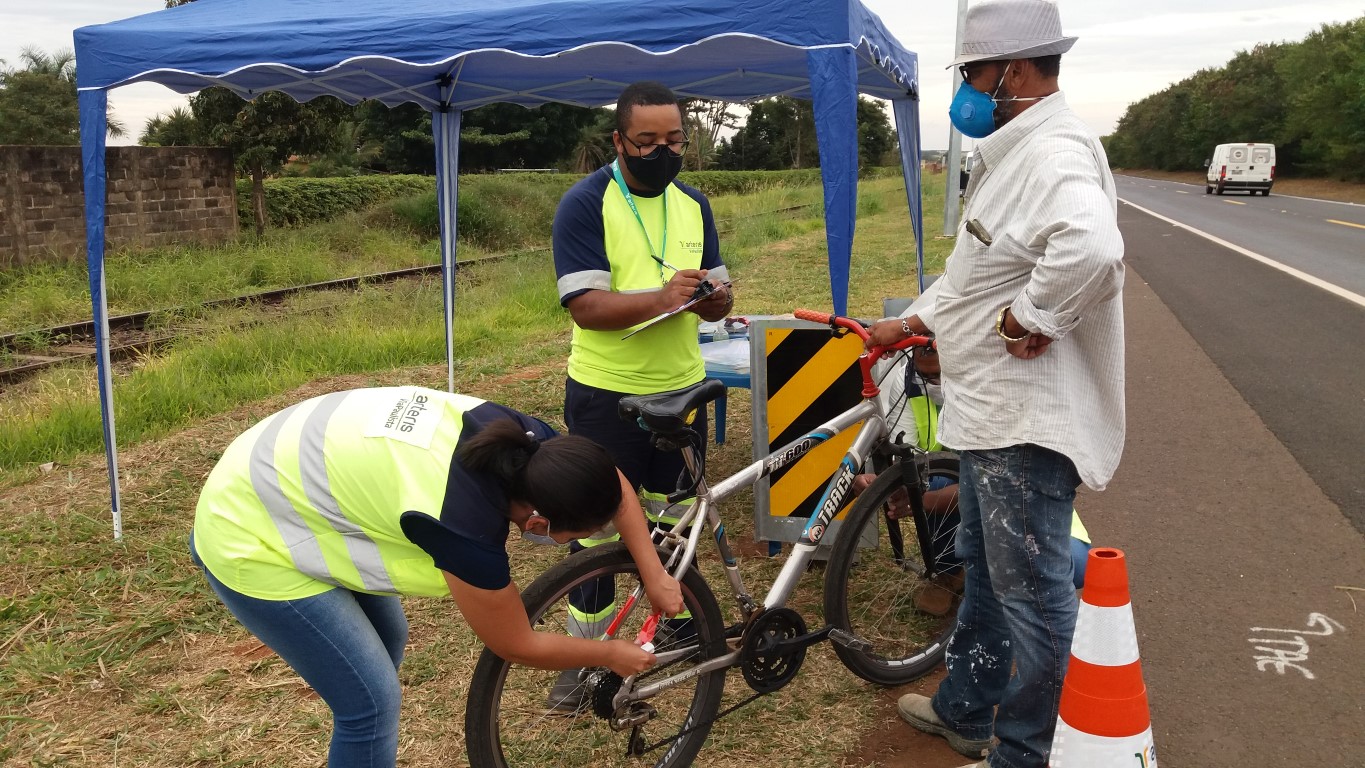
786 647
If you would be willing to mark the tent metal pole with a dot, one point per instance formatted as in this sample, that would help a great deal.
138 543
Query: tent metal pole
94 123
906 113
445 125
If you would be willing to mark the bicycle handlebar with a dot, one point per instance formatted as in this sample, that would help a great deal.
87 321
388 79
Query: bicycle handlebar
871 354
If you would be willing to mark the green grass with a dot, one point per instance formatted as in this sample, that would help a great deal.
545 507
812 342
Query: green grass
117 653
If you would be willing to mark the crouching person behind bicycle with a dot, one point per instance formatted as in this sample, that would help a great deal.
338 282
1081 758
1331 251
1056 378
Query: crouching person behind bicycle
911 396
318 518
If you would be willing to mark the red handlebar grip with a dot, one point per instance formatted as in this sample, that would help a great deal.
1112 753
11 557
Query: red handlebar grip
813 316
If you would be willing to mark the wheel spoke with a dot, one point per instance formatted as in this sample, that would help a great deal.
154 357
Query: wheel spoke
510 722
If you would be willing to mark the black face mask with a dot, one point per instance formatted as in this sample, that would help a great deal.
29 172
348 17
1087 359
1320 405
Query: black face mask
656 173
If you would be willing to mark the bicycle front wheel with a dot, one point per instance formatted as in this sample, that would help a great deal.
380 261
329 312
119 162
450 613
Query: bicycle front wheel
508 720
885 593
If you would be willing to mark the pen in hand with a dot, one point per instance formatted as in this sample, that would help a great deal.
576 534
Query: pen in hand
664 263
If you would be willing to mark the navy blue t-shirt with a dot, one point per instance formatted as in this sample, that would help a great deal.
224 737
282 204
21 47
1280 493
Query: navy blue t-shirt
469 541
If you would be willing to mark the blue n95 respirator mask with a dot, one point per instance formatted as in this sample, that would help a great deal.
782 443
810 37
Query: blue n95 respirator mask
972 112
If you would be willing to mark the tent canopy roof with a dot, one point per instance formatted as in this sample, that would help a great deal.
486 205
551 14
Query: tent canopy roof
467 53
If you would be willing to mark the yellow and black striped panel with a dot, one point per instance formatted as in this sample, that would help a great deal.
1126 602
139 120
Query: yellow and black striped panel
812 377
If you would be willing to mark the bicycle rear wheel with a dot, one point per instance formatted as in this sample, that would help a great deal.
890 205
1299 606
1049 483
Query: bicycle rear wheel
506 717
885 594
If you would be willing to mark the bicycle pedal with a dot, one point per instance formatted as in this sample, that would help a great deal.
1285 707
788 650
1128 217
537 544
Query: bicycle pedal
850 641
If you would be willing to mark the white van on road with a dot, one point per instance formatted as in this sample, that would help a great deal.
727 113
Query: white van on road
1241 166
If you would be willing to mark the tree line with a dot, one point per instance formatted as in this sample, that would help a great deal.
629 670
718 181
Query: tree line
1306 98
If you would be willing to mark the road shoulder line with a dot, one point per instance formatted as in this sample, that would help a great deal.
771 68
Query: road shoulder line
1316 282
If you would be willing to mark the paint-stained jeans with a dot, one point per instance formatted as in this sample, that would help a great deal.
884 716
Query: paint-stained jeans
1018 605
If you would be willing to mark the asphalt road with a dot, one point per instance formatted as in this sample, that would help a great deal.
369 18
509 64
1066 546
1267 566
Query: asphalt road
1320 237
1292 349
1246 435
1238 502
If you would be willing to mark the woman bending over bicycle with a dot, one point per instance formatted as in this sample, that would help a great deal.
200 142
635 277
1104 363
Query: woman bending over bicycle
319 517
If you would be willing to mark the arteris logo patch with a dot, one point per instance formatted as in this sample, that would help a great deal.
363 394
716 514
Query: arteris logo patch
412 417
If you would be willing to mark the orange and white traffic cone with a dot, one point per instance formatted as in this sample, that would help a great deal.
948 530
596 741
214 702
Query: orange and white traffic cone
1103 719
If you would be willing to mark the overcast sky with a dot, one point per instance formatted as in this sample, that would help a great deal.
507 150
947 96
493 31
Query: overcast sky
1127 50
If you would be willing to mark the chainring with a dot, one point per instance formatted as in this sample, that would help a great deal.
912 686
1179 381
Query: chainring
766 669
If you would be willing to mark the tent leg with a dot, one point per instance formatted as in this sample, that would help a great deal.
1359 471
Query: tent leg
833 80
94 123
906 112
445 127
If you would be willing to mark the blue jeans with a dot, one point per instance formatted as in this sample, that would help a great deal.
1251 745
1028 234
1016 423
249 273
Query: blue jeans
1019 602
347 646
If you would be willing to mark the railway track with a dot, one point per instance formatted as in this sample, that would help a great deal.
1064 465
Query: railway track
26 353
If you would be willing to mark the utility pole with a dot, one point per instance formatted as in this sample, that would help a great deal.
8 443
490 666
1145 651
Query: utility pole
950 195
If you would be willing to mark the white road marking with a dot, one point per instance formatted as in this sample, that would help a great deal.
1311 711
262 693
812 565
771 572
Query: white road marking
1316 282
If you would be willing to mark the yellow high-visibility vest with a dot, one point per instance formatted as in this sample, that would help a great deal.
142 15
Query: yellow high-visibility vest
311 497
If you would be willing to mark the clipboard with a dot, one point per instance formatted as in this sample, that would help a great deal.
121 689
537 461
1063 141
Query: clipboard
700 295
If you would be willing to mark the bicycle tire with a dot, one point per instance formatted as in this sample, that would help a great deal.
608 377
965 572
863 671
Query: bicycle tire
505 721
876 592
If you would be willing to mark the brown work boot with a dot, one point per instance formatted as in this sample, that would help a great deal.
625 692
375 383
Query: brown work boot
939 594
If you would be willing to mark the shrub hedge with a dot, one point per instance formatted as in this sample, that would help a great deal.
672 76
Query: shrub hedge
488 204
295 201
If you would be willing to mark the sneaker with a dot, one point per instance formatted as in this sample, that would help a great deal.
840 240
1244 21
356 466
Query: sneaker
569 695
919 712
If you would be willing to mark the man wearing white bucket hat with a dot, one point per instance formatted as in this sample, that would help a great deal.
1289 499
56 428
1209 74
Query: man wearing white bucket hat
1029 321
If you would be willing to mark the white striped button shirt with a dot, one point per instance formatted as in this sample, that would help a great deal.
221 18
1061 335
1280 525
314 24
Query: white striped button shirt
1042 193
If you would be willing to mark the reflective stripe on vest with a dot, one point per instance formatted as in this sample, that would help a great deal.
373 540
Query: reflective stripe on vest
291 521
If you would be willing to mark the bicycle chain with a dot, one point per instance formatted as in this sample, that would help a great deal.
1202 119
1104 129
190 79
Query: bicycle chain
686 731
777 616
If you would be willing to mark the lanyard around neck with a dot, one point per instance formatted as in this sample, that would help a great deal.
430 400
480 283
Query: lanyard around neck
630 200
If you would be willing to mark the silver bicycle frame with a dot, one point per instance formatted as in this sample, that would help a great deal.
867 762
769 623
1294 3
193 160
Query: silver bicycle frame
705 507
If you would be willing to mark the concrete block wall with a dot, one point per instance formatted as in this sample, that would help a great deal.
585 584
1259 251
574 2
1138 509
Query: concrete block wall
155 196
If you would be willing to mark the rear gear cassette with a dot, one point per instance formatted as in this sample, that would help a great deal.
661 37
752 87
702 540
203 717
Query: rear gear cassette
767 668
604 685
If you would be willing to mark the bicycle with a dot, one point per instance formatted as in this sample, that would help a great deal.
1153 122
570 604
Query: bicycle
877 565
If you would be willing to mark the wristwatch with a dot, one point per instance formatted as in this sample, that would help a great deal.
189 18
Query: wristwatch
1000 327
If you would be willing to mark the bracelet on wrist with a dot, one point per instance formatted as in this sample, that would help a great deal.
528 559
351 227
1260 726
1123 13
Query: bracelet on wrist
905 327
1000 328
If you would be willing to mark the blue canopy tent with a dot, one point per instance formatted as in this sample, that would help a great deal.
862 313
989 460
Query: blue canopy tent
449 56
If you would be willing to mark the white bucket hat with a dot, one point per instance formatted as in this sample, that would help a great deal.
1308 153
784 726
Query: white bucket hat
1012 29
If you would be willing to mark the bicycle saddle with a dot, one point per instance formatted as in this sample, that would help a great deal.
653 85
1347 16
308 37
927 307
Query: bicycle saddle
668 413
